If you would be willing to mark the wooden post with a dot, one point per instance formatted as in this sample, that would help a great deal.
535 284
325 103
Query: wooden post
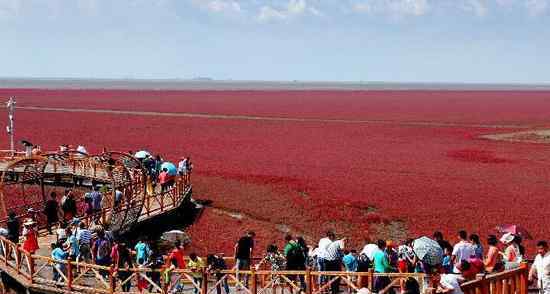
309 280
371 279
111 280
254 286
524 276
69 274
204 285
17 259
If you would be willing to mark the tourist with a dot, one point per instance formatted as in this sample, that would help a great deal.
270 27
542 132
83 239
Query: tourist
59 256
493 260
462 250
177 254
182 167
438 236
84 237
196 265
36 150
447 261
122 259
189 168
350 260
476 245
13 227
216 264
350 264
68 205
276 262
143 252
101 249
294 256
243 254
333 259
304 252
512 255
51 210
72 244
32 214
391 253
156 264
381 264
541 268
97 198
118 197
30 243
164 180
411 286
405 257
450 283
60 232
321 254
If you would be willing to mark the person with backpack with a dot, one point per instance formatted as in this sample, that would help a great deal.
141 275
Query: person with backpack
216 264
51 211
122 259
295 259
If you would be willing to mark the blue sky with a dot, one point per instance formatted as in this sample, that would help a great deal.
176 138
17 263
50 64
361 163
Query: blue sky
496 41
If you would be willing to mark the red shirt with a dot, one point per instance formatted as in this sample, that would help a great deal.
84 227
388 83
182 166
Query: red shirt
164 177
178 256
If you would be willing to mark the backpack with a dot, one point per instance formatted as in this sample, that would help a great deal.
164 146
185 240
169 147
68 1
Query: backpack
103 249
295 256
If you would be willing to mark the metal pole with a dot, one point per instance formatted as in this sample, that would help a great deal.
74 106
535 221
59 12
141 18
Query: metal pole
11 111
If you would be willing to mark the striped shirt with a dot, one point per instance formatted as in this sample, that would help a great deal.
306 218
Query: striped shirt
84 236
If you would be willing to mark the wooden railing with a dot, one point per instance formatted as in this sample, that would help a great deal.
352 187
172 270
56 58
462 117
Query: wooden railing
37 272
508 282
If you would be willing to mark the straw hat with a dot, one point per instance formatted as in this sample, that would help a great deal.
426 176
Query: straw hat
507 238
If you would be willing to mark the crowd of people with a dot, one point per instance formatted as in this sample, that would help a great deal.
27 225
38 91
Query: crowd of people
458 263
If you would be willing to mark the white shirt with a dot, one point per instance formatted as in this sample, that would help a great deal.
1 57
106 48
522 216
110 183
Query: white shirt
182 165
542 266
334 249
322 248
462 250
452 282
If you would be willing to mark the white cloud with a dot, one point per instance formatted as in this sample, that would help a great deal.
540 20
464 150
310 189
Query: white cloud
392 7
292 9
268 14
218 6
478 7
296 6
537 7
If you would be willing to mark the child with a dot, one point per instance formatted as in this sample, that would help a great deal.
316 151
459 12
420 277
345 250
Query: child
447 263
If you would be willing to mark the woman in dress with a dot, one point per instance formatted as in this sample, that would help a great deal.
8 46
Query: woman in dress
30 244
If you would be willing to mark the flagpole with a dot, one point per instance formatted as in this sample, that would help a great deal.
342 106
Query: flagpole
11 111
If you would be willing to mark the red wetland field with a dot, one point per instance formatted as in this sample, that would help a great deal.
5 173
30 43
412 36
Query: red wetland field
369 164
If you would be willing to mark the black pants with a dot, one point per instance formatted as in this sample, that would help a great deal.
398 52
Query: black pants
330 266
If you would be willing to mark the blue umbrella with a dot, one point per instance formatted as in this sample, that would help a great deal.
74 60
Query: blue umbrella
142 154
172 170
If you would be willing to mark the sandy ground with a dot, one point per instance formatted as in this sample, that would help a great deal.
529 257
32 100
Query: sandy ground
533 136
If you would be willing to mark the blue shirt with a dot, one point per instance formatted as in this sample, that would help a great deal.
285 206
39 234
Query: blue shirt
142 253
73 242
381 263
58 254
96 200
350 262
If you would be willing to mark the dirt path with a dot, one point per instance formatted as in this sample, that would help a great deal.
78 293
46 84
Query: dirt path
274 118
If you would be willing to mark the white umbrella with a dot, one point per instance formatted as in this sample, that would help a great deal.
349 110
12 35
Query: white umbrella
428 250
174 235
142 154
369 250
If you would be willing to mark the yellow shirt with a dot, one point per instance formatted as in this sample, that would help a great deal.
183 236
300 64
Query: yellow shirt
196 266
